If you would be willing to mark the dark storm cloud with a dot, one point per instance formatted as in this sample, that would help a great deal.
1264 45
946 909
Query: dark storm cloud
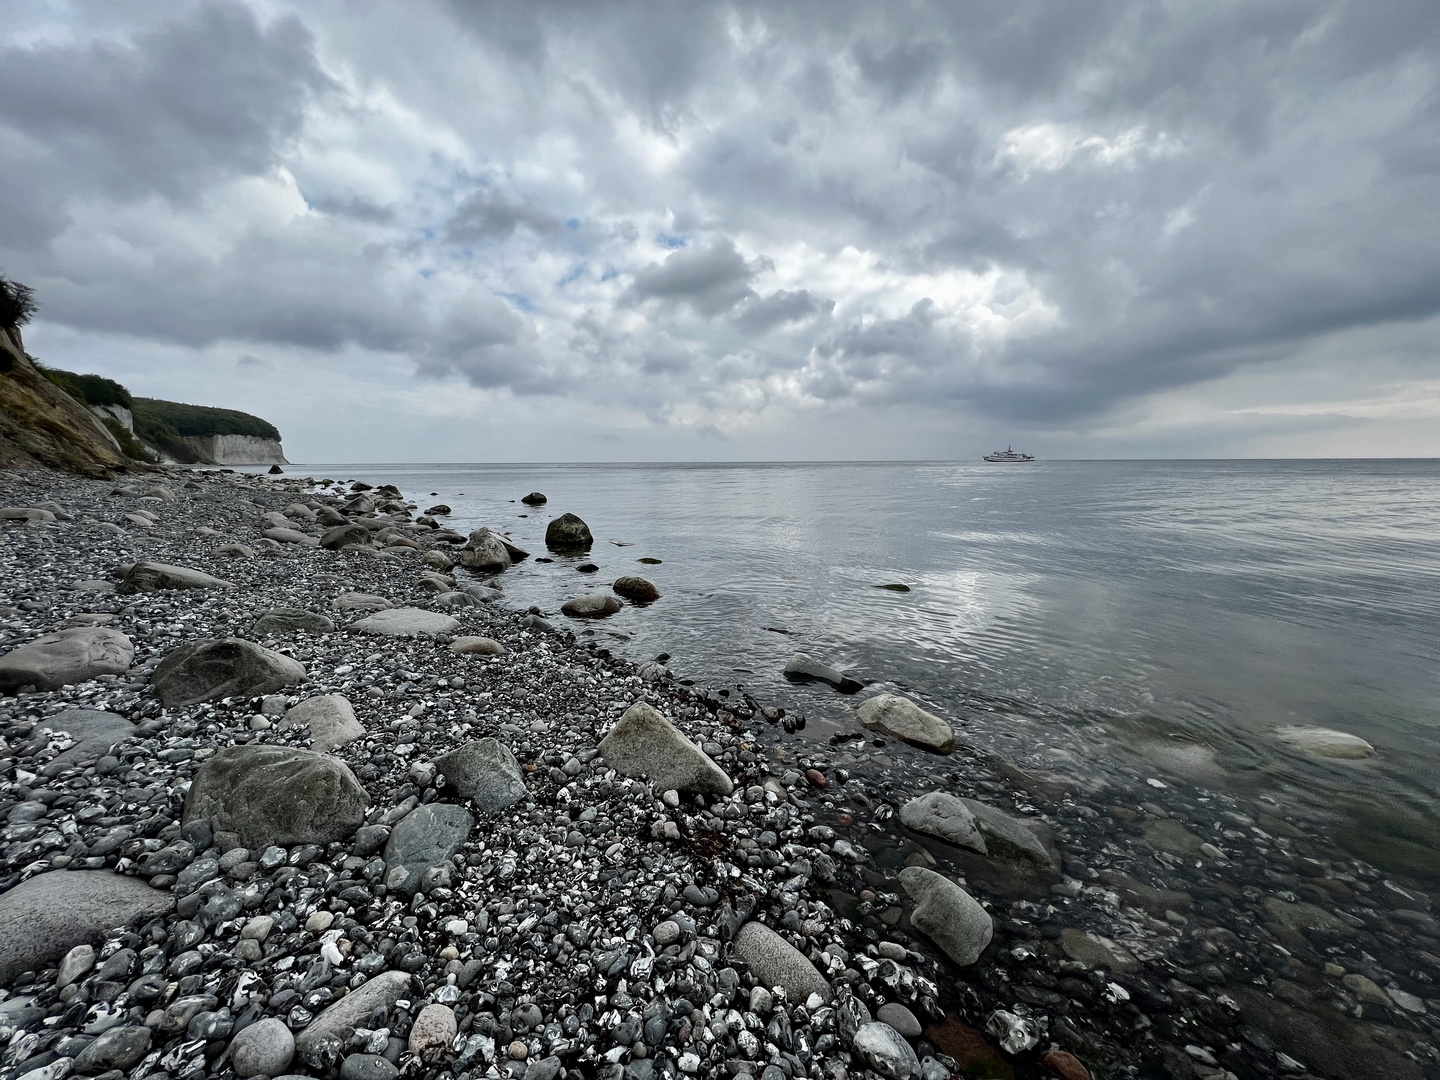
762 313
489 214
710 279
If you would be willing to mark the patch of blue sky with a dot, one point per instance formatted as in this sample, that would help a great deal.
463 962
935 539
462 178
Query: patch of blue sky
610 272
520 300
668 241
572 224
575 273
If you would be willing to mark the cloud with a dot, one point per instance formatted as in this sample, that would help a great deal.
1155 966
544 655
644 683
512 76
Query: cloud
1037 216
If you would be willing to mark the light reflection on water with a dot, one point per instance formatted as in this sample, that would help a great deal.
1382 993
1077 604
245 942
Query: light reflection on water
1181 610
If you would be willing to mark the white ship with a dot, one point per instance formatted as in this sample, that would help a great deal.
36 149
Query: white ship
1008 455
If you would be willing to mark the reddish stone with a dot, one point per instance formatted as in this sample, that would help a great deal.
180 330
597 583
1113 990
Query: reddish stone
1066 1066
816 777
974 1053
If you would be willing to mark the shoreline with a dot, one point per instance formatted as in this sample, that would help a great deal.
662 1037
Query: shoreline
1136 952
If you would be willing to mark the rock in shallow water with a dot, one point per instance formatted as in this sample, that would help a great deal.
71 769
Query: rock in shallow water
44 917
568 533
277 795
230 667
635 588
775 962
426 838
937 814
485 551
903 719
66 657
947 914
1326 743
802 667
485 772
591 606
1006 835
1096 950
645 744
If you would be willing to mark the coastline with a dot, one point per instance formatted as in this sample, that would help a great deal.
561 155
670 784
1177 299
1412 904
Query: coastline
1136 951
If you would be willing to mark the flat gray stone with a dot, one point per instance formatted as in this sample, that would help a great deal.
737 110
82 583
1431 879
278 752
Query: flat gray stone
265 1048
645 744
944 816
1096 950
156 577
802 667
775 962
339 1021
343 535
406 622
66 657
46 916
947 914
229 667
292 621
330 719
425 838
477 646
591 606
119 1048
900 1018
485 772
94 732
901 718
277 795
285 535
359 601
1006 835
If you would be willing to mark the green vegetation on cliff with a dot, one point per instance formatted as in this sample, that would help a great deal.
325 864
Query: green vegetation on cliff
201 421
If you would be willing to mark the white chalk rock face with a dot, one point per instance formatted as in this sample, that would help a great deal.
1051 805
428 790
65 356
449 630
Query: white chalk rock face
1326 743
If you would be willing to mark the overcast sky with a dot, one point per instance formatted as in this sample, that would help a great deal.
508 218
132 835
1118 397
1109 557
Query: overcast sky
615 231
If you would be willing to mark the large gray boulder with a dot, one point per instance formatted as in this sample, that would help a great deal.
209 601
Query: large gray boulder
330 719
277 795
485 551
885 1050
1008 836
290 536
645 744
119 1048
802 667
485 772
46 916
292 621
406 622
567 533
331 1030
901 718
265 1048
66 657
944 816
229 667
947 914
775 962
424 840
591 606
534 499
155 577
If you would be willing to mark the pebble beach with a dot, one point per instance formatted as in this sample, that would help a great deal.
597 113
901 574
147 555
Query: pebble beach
289 789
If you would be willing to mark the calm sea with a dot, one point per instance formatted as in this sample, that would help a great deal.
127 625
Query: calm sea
1157 618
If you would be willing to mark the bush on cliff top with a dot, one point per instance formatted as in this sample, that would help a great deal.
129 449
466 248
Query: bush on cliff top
17 303
89 389
200 421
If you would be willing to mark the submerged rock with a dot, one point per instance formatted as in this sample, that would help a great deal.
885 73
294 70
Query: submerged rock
230 667
775 962
534 499
1006 835
802 667
1096 950
66 657
277 795
944 816
1326 743
903 719
947 914
485 772
645 744
44 917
